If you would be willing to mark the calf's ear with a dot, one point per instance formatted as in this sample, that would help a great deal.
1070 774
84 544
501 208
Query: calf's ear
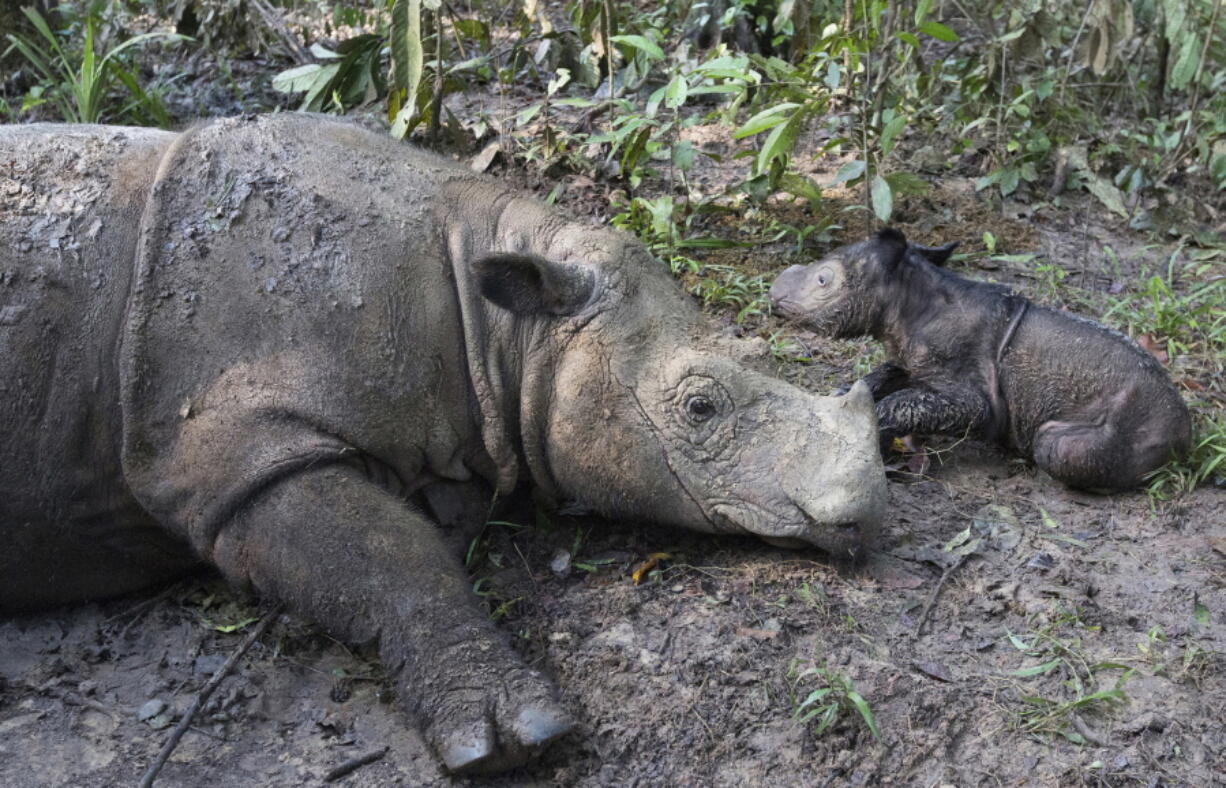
527 284
892 245
937 255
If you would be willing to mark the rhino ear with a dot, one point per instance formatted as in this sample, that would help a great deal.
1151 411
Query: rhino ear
893 246
526 284
937 255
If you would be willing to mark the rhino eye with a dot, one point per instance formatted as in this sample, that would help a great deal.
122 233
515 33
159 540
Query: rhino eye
699 408
822 279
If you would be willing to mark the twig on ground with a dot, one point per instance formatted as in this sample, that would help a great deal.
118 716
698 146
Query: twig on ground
932 598
1087 733
137 611
353 764
207 690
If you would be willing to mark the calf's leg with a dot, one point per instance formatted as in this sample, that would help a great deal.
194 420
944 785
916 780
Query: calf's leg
927 411
359 561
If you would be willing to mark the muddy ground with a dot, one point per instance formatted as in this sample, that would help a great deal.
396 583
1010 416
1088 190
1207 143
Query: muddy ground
1065 639
692 676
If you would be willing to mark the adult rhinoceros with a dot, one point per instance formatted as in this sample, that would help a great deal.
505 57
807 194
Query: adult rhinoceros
270 344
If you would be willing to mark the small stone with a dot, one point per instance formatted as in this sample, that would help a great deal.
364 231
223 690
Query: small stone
151 709
560 563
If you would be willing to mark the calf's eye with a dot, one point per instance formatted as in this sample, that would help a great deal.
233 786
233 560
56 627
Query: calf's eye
699 408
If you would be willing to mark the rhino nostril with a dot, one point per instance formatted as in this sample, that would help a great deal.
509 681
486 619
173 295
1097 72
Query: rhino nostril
848 528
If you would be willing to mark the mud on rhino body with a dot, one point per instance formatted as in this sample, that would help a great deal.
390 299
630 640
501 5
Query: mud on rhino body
1086 403
281 346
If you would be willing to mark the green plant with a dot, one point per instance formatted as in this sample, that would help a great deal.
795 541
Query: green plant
348 77
835 698
725 287
785 348
79 82
1206 462
1191 322
1057 644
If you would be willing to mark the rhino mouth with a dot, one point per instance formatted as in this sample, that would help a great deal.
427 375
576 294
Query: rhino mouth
846 539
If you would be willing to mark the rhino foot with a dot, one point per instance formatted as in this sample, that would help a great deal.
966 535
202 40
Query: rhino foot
478 731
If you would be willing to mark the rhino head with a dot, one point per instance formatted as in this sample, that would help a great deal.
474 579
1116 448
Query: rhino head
627 404
855 290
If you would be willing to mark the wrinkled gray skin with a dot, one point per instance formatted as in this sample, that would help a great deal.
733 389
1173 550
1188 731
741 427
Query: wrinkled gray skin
1084 402
292 349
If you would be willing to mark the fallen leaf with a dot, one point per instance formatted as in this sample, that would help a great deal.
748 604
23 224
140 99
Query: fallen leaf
482 161
1218 543
892 575
1148 342
934 669
757 634
648 565
1191 384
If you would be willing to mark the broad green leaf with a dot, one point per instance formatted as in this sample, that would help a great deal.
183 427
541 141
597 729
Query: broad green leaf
922 9
296 80
883 198
407 60
801 186
526 114
781 140
675 92
652 107
903 182
1009 178
644 45
833 74
849 172
1185 62
908 38
561 78
1106 192
891 130
938 31
767 118
682 155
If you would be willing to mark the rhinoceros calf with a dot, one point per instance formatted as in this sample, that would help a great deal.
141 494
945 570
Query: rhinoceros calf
1086 403
280 345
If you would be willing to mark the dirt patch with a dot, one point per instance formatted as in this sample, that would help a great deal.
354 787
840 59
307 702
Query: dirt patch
690 677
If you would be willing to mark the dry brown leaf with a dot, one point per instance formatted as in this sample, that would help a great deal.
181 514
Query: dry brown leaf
1150 343
757 634
648 565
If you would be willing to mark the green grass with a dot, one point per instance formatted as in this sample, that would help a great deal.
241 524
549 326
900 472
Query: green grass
833 699
1057 651
80 82
724 287
1206 462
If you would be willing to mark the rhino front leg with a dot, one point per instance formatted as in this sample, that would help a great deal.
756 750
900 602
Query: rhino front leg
926 411
886 379
357 560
